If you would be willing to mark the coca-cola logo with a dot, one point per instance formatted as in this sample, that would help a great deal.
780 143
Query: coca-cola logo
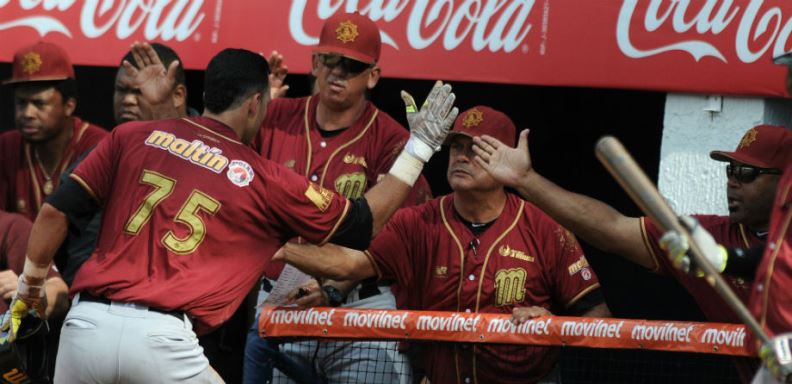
494 25
159 19
759 28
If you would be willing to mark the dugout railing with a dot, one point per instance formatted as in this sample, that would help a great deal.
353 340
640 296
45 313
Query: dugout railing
594 350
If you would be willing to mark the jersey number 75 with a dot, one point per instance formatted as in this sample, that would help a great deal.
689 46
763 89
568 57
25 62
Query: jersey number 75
188 214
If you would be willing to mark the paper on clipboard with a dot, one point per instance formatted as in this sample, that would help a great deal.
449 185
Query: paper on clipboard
290 279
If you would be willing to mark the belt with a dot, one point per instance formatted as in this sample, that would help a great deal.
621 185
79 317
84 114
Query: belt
368 288
85 296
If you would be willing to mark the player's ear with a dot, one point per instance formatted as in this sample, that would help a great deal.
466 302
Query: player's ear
179 96
315 65
373 78
69 106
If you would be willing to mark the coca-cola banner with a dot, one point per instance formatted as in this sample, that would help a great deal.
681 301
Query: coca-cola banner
709 46
356 323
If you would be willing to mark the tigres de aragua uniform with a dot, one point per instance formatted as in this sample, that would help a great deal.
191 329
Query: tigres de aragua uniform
523 259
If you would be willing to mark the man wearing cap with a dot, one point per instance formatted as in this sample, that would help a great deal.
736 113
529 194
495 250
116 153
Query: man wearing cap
478 249
48 137
753 171
341 141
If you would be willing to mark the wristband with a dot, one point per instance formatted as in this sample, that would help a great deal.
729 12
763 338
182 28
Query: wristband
407 168
34 272
419 149
25 289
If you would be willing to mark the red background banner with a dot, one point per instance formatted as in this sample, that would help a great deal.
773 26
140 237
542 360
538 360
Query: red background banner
707 46
345 323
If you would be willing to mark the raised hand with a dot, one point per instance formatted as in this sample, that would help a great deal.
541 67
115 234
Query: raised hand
277 76
505 164
430 124
149 75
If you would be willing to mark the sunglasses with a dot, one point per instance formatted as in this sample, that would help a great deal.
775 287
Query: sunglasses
746 173
350 66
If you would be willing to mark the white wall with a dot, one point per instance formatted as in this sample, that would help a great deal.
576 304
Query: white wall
688 178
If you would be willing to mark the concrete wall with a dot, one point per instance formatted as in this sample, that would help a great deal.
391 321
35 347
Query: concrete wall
692 182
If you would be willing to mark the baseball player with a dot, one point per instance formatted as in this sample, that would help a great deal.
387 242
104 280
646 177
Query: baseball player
750 189
341 141
48 137
479 249
192 187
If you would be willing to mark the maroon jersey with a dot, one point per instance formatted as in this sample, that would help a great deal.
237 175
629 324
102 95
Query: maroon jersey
714 308
771 296
725 232
23 184
188 209
14 234
523 259
349 162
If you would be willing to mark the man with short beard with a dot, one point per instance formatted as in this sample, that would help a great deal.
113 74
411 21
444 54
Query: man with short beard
48 137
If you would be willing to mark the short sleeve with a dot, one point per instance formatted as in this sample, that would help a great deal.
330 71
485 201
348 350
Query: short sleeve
572 276
392 251
97 171
304 208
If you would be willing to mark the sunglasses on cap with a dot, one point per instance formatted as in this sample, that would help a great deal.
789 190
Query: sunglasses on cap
747 173
350 66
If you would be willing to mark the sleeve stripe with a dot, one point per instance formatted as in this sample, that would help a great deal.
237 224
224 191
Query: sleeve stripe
582 293
337 224
85 186
647 244
374 264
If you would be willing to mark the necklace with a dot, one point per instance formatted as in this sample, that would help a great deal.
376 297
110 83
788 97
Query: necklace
48 186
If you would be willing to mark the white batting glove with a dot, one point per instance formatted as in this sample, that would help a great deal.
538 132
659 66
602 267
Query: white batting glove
777 357
430 125
677 246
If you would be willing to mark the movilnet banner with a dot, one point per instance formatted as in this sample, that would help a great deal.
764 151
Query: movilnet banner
704 46
349 323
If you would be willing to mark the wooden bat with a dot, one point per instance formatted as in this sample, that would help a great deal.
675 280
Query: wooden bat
643 192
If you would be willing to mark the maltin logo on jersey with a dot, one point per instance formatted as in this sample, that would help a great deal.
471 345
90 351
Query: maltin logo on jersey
240 173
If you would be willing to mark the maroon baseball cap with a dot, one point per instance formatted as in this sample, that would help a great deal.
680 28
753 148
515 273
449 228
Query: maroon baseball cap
40 62
481 120
352 35
763 146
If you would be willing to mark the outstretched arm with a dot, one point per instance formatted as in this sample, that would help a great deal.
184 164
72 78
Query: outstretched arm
592 220
328 261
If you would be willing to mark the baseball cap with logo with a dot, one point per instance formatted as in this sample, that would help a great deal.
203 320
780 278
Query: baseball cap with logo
763 146
40 62
352 35
481 120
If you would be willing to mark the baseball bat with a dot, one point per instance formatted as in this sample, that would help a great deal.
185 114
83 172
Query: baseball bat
612 154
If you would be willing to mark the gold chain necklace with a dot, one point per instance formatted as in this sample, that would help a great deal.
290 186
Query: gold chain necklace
48 185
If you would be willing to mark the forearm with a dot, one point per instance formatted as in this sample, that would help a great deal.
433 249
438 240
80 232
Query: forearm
57 296
329 261
384 199
592 220
48 232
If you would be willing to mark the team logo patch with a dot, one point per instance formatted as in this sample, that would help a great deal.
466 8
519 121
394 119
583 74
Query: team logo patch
473 118
240 173
31 63
441 271
510 286
748 138
352 159
585 273
347 32
578 266
290 163
351 185
508 251
319 196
